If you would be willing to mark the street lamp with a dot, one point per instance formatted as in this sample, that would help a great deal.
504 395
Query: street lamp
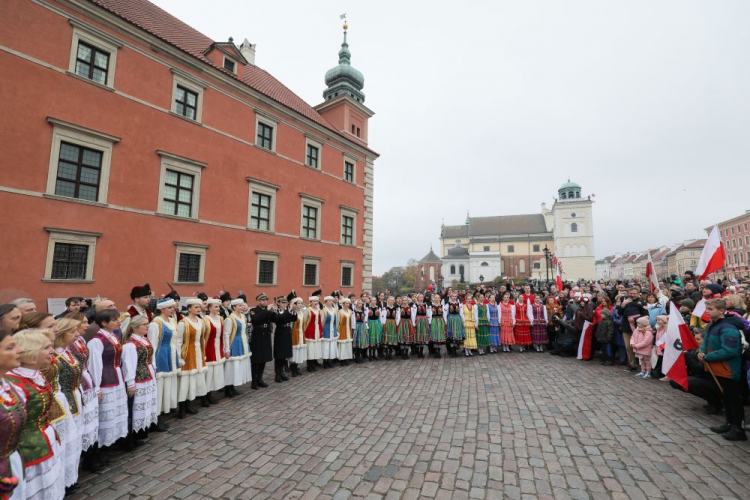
481 278
547 259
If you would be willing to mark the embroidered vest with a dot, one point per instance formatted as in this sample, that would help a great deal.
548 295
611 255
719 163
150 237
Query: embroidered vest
390 313
214 352
51 373
421 310
405 313
12 420
454 308
34 445
70 379
373 315
164 351
145 355
111 360
79 351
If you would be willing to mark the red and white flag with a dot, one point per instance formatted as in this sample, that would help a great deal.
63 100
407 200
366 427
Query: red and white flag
676 341
653 281
558 279
584 345
713 255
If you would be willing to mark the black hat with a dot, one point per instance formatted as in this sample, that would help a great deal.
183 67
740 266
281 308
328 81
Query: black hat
317 293
225 296
243 297
716 289
140 291
202 296
292 295
174 295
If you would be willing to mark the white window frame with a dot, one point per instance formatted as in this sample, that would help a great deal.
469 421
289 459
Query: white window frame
85 137
311 201
350 265
191 248
270 122
262 187
311 260
72 237
171 161
309 141
192 84
269 256
349 212
349 159
99 39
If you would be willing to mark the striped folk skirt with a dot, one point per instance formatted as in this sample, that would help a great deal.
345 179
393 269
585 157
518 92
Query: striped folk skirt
390 332
423 330
539 333
455 327
437 330
506 333
376 332
483 334
406 332
494 335
361 337
523 332
470 329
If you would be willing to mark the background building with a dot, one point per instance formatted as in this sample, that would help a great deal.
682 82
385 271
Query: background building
736 238
513 245
429 270
137 149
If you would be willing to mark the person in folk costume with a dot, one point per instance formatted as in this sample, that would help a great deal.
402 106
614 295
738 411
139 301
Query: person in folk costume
507 311
329 338
421 314
437 325
43 477
92 461
225 308
455 333
483 324
299 348
313 328
470 317
493 320
262 317
361 336
214 347
347 326
539 324
64 375
392 315
554 313
406 330
374 328
13 416
522 330
237 369
176 297
105 360
139 371
162 333
192 376
141 297
284 316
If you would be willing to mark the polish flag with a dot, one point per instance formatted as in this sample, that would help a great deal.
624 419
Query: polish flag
677 340
584 345
713 255
558 279
700 311
653 281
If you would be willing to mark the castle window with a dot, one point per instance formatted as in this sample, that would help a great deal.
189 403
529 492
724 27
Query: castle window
453 269
573 215
486 248
574 228
484 264
570 195
562 196
461 270
521 266
578 194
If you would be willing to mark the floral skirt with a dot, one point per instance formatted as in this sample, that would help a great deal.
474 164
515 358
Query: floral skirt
376 332
390 332
437 330
455 327
523 332
506 333
406 332
423 330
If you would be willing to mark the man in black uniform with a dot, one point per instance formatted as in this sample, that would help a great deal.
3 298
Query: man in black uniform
261 317
282 339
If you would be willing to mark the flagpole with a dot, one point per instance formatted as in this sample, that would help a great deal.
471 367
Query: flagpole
711 371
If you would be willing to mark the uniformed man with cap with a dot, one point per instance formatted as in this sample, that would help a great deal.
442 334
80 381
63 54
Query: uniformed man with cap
141 296
262 318
286 315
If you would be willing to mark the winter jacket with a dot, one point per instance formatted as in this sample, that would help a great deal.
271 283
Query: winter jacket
722 345
642 341
583 314
633 308
655 310
605 330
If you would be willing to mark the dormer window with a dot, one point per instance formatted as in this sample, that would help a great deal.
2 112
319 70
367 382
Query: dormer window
230 65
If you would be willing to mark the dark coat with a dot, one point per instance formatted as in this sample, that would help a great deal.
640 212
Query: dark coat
260 338
282 339
605 330
633 308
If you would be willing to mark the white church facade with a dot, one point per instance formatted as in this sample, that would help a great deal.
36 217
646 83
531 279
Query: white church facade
484 248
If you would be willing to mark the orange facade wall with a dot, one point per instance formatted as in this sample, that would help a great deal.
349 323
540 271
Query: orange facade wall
137 245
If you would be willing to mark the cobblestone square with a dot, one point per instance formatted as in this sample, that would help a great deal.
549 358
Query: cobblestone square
497 426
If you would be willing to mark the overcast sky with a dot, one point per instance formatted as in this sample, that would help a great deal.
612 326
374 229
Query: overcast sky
489 106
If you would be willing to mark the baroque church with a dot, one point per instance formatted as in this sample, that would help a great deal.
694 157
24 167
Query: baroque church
513 246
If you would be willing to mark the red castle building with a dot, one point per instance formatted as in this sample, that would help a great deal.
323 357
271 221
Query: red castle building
136 149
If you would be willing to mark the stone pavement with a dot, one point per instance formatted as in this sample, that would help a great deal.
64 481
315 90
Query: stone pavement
498 426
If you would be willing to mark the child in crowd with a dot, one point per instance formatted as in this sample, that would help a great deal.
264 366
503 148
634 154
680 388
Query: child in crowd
641 341
605 334
661 329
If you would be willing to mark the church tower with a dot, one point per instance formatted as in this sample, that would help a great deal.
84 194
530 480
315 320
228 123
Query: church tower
574 232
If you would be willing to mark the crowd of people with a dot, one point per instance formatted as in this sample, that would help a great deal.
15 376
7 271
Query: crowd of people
75 385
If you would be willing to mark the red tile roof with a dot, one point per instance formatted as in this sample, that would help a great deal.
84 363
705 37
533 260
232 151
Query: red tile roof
165 26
